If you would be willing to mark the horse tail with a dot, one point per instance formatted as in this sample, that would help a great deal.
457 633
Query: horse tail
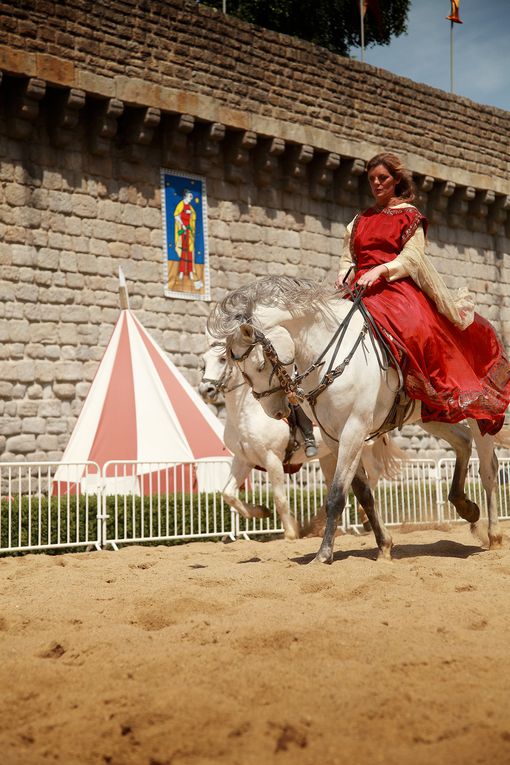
382 458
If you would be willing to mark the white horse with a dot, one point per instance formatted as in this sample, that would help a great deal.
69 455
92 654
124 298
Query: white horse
276 324
255 439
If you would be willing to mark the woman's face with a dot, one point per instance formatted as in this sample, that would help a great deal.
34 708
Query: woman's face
382 184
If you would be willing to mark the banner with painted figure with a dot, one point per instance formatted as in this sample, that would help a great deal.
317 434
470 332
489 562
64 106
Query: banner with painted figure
184 203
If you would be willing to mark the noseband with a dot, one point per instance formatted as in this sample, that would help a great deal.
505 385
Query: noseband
287 383
220 385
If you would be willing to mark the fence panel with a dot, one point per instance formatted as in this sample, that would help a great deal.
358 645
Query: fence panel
413 496
43 506
305 492
474 487
50 505
164 501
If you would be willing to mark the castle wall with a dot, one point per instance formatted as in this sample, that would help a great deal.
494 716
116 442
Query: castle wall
96 98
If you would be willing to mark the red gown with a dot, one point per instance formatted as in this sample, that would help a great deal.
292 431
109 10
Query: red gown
455 373
186 262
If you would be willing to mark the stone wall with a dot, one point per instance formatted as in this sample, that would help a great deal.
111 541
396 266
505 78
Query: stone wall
97 97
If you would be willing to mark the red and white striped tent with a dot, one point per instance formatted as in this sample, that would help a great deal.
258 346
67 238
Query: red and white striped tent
141 408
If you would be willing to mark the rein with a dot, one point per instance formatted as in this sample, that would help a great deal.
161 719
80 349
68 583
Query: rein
278 369
290 385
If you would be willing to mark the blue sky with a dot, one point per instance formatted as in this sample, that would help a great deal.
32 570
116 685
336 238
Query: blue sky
481 49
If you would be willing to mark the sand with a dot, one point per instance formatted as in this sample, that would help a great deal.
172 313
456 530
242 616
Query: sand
243 653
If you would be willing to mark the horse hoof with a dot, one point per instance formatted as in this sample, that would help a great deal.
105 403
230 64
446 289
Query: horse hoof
479 532
495 541
468 510
257 511
323 559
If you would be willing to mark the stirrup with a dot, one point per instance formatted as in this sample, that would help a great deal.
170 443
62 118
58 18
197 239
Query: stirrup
311 447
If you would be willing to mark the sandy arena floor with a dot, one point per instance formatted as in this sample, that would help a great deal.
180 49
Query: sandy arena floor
242 653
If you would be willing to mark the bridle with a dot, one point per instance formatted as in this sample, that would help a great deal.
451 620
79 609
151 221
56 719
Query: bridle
278 368
291 384
220 384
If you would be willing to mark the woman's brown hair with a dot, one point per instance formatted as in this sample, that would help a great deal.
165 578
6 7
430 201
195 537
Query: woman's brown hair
405 188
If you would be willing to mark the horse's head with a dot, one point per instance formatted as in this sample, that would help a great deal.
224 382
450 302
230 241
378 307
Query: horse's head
215 373
266 361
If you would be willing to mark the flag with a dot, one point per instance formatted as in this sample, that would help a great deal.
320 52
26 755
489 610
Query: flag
375 11
373 5
454 12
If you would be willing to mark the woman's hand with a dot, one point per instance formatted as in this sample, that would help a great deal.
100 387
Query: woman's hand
370 277
339 283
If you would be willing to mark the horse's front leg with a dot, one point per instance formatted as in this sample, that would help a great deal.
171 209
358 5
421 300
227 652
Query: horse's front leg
363 492
349 453
488 475
274 467
239 471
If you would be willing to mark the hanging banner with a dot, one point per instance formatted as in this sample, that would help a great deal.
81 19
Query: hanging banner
186 259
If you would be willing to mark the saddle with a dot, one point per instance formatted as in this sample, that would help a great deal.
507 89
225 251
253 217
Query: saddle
400 412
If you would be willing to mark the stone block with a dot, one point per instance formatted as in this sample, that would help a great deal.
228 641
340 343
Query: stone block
55 426
18 371
35 391
84 206
74 314
67 371
245 232
47 443
50 407
75 281
64 391
7 292
48 259
35 425
16 195
43 371
27 409
60 201
10 425
6 389
21 444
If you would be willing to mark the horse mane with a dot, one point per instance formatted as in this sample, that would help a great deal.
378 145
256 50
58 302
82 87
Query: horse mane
298 296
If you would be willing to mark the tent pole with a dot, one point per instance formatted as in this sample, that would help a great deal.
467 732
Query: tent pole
123 293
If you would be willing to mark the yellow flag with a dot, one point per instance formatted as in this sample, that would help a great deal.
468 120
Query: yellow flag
454 12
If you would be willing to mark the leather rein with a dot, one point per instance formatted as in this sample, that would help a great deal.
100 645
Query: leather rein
291 384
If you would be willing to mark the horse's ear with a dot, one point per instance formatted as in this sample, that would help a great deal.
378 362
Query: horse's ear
247 333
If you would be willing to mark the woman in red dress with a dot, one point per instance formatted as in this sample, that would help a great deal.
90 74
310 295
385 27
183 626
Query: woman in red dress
452 360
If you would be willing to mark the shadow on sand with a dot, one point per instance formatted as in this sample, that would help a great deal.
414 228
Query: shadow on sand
442 549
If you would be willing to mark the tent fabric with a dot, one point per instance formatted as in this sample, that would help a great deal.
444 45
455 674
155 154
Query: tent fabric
140 407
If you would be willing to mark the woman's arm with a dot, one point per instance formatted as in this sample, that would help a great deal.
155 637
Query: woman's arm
345 260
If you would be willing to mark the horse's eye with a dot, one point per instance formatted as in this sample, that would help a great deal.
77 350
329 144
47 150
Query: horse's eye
223 359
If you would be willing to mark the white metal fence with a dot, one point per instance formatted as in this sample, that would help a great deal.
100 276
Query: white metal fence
43 506
63 506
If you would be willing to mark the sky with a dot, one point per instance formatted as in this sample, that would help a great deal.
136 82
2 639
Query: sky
481 49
